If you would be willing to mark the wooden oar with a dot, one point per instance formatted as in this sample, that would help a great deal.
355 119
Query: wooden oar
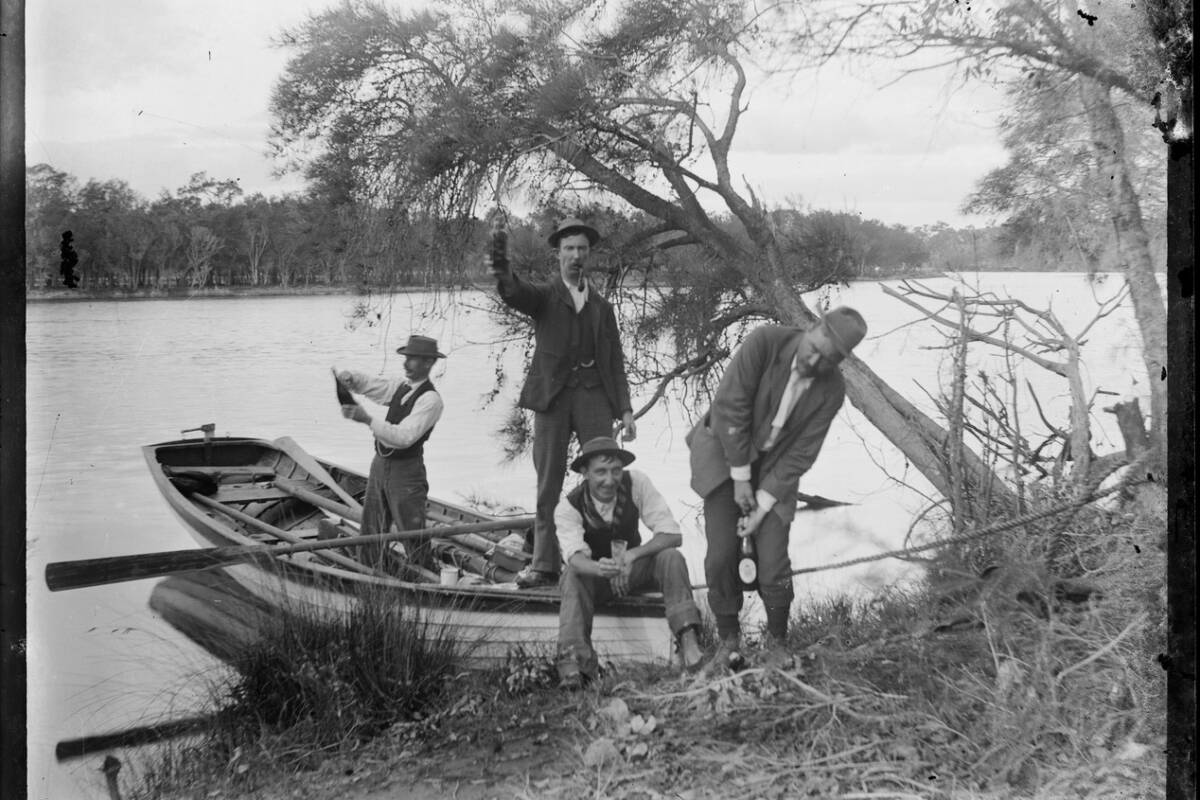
130 737
815 502
278 533
310 465
62 575
302 492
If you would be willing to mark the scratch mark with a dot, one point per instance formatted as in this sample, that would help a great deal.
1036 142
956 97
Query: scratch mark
45 461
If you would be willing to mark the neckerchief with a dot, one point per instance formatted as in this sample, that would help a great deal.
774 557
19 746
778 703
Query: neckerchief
591 515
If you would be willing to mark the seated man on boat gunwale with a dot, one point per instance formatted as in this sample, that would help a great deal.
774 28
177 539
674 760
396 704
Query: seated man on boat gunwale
606 507
397 486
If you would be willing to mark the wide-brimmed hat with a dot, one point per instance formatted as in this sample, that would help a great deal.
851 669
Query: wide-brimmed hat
846 328
420 346
572 225
601 445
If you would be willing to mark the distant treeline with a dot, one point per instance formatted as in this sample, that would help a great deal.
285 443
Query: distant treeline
103 235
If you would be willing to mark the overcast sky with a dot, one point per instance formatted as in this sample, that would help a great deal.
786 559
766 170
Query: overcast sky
151 91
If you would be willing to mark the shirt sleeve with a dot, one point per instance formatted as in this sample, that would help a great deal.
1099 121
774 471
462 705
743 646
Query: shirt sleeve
741 473
374 388
568 524
424 415
656 514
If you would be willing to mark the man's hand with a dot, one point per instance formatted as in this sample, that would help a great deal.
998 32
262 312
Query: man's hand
743 495
356 413
628 427
498 272
749 523
346 377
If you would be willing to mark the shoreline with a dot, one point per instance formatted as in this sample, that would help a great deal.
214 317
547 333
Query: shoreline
220 293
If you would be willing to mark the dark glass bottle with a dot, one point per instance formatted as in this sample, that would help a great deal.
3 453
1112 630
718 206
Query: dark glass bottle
499 247
748 565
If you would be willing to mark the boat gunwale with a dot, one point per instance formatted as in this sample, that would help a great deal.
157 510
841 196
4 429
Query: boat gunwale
215 532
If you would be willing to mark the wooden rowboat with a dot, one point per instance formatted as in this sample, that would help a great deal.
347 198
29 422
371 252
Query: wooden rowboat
233 491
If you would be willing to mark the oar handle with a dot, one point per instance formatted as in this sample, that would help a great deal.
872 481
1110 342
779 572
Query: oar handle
61 575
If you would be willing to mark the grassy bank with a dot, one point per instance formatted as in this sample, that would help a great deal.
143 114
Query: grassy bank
1034 678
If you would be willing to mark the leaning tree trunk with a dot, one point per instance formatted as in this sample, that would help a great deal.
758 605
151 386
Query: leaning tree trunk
922 441
1133 245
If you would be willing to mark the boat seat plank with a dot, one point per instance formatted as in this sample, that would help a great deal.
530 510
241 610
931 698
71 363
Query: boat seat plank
248 493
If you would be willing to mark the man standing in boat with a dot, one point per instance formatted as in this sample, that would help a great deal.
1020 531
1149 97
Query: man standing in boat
599 514
576 382
397 486
768 420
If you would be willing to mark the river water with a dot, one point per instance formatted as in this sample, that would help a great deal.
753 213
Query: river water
105 378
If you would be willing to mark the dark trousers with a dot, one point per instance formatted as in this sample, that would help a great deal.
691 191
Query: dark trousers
721 516
584 412
665 572
396 492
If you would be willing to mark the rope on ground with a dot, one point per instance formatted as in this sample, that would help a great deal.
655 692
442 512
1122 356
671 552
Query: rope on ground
1015 522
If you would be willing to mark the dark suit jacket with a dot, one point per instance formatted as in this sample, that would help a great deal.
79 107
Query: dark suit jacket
553 311
736 428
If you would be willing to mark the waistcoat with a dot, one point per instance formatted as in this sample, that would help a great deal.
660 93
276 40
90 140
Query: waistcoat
626 527
397 411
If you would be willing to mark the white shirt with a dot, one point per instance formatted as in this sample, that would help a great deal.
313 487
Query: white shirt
578 297
653 512
424 415
795 389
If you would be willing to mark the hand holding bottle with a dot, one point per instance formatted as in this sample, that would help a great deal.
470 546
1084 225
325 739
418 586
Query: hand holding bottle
749 523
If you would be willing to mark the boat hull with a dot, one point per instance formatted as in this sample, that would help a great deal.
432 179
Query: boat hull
492 622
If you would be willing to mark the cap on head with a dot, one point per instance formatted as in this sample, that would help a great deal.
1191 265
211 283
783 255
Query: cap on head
601 445
573 225
420 346
846 328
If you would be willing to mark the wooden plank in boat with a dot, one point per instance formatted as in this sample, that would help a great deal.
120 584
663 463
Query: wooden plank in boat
248 493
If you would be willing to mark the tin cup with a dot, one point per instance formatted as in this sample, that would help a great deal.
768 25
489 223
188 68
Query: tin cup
618 550
450 576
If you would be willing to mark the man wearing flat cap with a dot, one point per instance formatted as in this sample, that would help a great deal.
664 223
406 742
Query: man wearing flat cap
768 420
397 485
576 382
605 510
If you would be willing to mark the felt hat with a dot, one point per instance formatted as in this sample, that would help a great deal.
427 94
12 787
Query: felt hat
420 346
572 225
601 445
846 328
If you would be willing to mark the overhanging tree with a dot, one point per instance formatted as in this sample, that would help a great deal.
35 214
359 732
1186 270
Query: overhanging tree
1099 54
639 101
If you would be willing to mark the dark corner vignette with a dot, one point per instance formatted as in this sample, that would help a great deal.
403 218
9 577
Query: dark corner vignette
13 667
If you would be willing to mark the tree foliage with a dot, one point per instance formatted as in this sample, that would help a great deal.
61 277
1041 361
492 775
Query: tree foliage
1071 68
637 102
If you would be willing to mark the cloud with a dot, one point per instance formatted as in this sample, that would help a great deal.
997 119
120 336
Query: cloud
834 113
878 185
154 162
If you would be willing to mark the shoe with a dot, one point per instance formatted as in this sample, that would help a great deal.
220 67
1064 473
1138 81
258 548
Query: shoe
570 678
727 657
691 657
775 654
530 578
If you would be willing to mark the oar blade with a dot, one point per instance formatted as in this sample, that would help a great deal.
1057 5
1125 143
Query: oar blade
61 575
